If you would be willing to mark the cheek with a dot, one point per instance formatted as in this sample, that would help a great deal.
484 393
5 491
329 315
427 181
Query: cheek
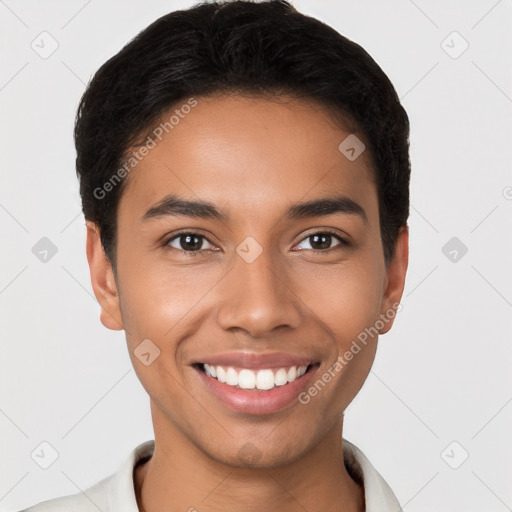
154 311
165 304
154 296
350 308
346 299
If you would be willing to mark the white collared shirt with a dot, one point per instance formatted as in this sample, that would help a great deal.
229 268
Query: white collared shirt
116 493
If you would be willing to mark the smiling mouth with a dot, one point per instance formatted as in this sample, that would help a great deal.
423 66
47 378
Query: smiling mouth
263 379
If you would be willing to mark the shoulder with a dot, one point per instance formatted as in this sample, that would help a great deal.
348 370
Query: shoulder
75 502
91 500
112 494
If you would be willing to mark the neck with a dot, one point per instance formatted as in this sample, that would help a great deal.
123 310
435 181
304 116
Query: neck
178 478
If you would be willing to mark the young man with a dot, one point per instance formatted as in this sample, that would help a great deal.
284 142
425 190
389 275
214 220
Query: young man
244 171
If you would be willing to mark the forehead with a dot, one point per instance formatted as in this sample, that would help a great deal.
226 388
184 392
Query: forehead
247 153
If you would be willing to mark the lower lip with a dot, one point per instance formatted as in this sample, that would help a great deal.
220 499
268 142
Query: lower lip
257 401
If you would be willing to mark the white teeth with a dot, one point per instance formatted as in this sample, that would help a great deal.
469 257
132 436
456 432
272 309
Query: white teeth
221 374
280 378
292 374
265 379
248 379
231 377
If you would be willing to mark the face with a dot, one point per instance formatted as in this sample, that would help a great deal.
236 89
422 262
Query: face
248 242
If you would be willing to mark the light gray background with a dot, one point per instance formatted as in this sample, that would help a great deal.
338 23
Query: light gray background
442 374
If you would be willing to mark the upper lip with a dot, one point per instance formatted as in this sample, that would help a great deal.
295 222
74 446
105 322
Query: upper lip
255 360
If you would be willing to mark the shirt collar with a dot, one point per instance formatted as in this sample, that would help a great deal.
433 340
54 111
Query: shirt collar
378 495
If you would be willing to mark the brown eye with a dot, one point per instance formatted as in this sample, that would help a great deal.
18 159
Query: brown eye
322 241
187 242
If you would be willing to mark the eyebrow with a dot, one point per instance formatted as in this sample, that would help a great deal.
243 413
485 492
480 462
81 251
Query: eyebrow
173 205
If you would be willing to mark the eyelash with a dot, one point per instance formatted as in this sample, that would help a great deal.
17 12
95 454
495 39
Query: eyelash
342 241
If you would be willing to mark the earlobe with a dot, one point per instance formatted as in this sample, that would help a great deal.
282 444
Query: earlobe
395 279
102 280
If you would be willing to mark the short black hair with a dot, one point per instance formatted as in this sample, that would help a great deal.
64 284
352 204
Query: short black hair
258 48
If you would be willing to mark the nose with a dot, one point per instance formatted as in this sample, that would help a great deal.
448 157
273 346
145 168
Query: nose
258 298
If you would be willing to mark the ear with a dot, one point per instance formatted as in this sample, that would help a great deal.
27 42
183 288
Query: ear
395 279
103 281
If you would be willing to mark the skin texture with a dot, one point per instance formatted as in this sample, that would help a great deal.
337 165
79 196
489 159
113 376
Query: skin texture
253 158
